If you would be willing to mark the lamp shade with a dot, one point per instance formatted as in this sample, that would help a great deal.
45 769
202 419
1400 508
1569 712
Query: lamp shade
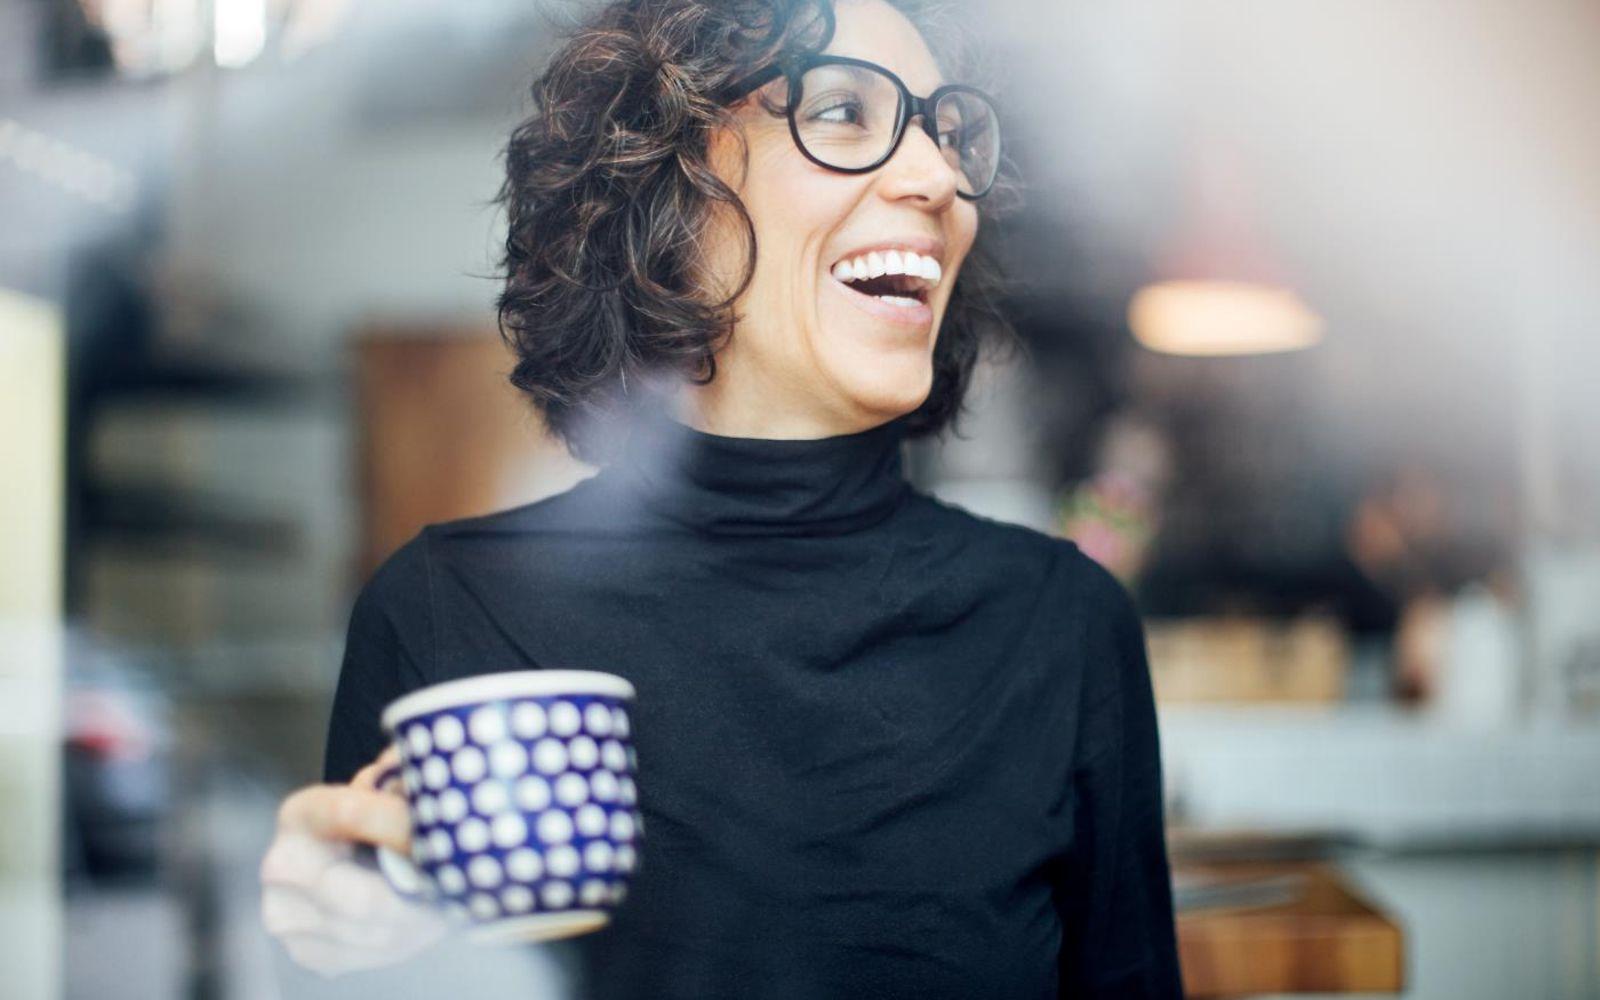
1209 317
1217 289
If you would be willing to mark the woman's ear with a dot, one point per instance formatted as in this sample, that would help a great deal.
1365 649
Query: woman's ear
726 245
728 152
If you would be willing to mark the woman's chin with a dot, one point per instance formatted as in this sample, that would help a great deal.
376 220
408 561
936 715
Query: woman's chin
879 372
888 393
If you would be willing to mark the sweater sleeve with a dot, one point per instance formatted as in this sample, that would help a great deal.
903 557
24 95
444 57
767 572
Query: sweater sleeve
1114 891
389 650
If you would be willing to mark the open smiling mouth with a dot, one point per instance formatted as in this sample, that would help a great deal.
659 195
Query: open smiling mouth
902 280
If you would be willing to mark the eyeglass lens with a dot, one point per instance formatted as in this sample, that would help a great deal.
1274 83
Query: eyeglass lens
846 118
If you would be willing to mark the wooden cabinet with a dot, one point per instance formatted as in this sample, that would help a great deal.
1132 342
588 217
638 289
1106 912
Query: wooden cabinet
442 434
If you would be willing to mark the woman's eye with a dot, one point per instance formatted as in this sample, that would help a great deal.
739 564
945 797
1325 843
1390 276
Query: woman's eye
961 135
842 112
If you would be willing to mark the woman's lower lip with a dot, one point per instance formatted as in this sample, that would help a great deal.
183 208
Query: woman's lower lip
919 316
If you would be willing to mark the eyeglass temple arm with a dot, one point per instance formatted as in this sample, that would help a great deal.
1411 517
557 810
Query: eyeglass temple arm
746 84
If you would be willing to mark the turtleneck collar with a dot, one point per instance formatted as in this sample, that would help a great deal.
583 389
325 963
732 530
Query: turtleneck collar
762 486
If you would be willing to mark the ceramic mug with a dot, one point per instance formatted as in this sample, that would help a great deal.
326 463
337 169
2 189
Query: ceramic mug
524 810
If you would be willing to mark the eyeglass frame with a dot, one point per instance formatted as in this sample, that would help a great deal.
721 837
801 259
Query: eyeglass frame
792 66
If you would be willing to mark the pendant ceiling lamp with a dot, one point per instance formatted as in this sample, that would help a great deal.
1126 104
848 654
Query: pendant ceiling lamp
1218 290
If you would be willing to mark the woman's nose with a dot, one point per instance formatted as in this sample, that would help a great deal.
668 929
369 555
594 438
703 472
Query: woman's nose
919 169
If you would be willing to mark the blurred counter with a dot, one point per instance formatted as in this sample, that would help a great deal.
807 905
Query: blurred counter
1382 775
32 377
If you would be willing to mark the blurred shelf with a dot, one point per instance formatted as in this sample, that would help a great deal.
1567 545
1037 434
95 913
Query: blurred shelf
166 519
1295 928
1382 775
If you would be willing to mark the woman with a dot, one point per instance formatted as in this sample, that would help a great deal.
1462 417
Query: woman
886 748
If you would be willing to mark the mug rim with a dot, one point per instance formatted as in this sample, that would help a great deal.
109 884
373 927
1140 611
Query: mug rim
465 691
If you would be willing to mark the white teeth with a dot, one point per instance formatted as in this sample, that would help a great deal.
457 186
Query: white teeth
877 263
898 300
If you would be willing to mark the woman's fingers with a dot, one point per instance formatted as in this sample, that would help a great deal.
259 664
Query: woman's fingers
298 860
330 958
332 914
343 812
353 892
351 905
367 777
358 895
286 910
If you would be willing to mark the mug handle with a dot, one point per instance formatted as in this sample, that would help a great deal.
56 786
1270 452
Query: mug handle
403 876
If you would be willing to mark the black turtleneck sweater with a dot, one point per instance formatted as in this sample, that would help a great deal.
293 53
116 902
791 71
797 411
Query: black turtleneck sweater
886 748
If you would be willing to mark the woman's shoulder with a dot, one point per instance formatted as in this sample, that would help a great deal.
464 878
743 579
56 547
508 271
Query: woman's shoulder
564 510
407 572
1028 554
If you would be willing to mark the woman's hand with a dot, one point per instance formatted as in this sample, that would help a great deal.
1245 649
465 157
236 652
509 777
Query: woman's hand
331 912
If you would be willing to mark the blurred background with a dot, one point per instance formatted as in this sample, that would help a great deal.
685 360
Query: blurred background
1311 294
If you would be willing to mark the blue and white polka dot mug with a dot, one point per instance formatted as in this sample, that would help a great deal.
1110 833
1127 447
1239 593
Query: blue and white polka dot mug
524 813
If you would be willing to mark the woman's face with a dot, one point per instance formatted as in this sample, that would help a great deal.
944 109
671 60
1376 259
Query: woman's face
809 356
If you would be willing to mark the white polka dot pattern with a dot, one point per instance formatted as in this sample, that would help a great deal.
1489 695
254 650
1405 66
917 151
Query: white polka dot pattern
419 741
564 718
447 732
557 895
528 720
550 755
468 765
555 827
435 773
621 826
572 789
508 759
603 785
524 864
473 833
487 725
450 879
517 899
583 753
533 793
484 872
597 856
425 810
562 861
523 806
593 892
590 820
490 797
439 844
509 830
613 755
452 805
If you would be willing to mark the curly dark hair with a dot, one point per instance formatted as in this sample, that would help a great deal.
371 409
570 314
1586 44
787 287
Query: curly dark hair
609 185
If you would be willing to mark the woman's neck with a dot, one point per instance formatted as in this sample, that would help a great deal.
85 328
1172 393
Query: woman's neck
717 410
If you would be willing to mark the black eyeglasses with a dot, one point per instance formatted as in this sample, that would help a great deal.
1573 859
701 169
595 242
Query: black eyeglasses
849 115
